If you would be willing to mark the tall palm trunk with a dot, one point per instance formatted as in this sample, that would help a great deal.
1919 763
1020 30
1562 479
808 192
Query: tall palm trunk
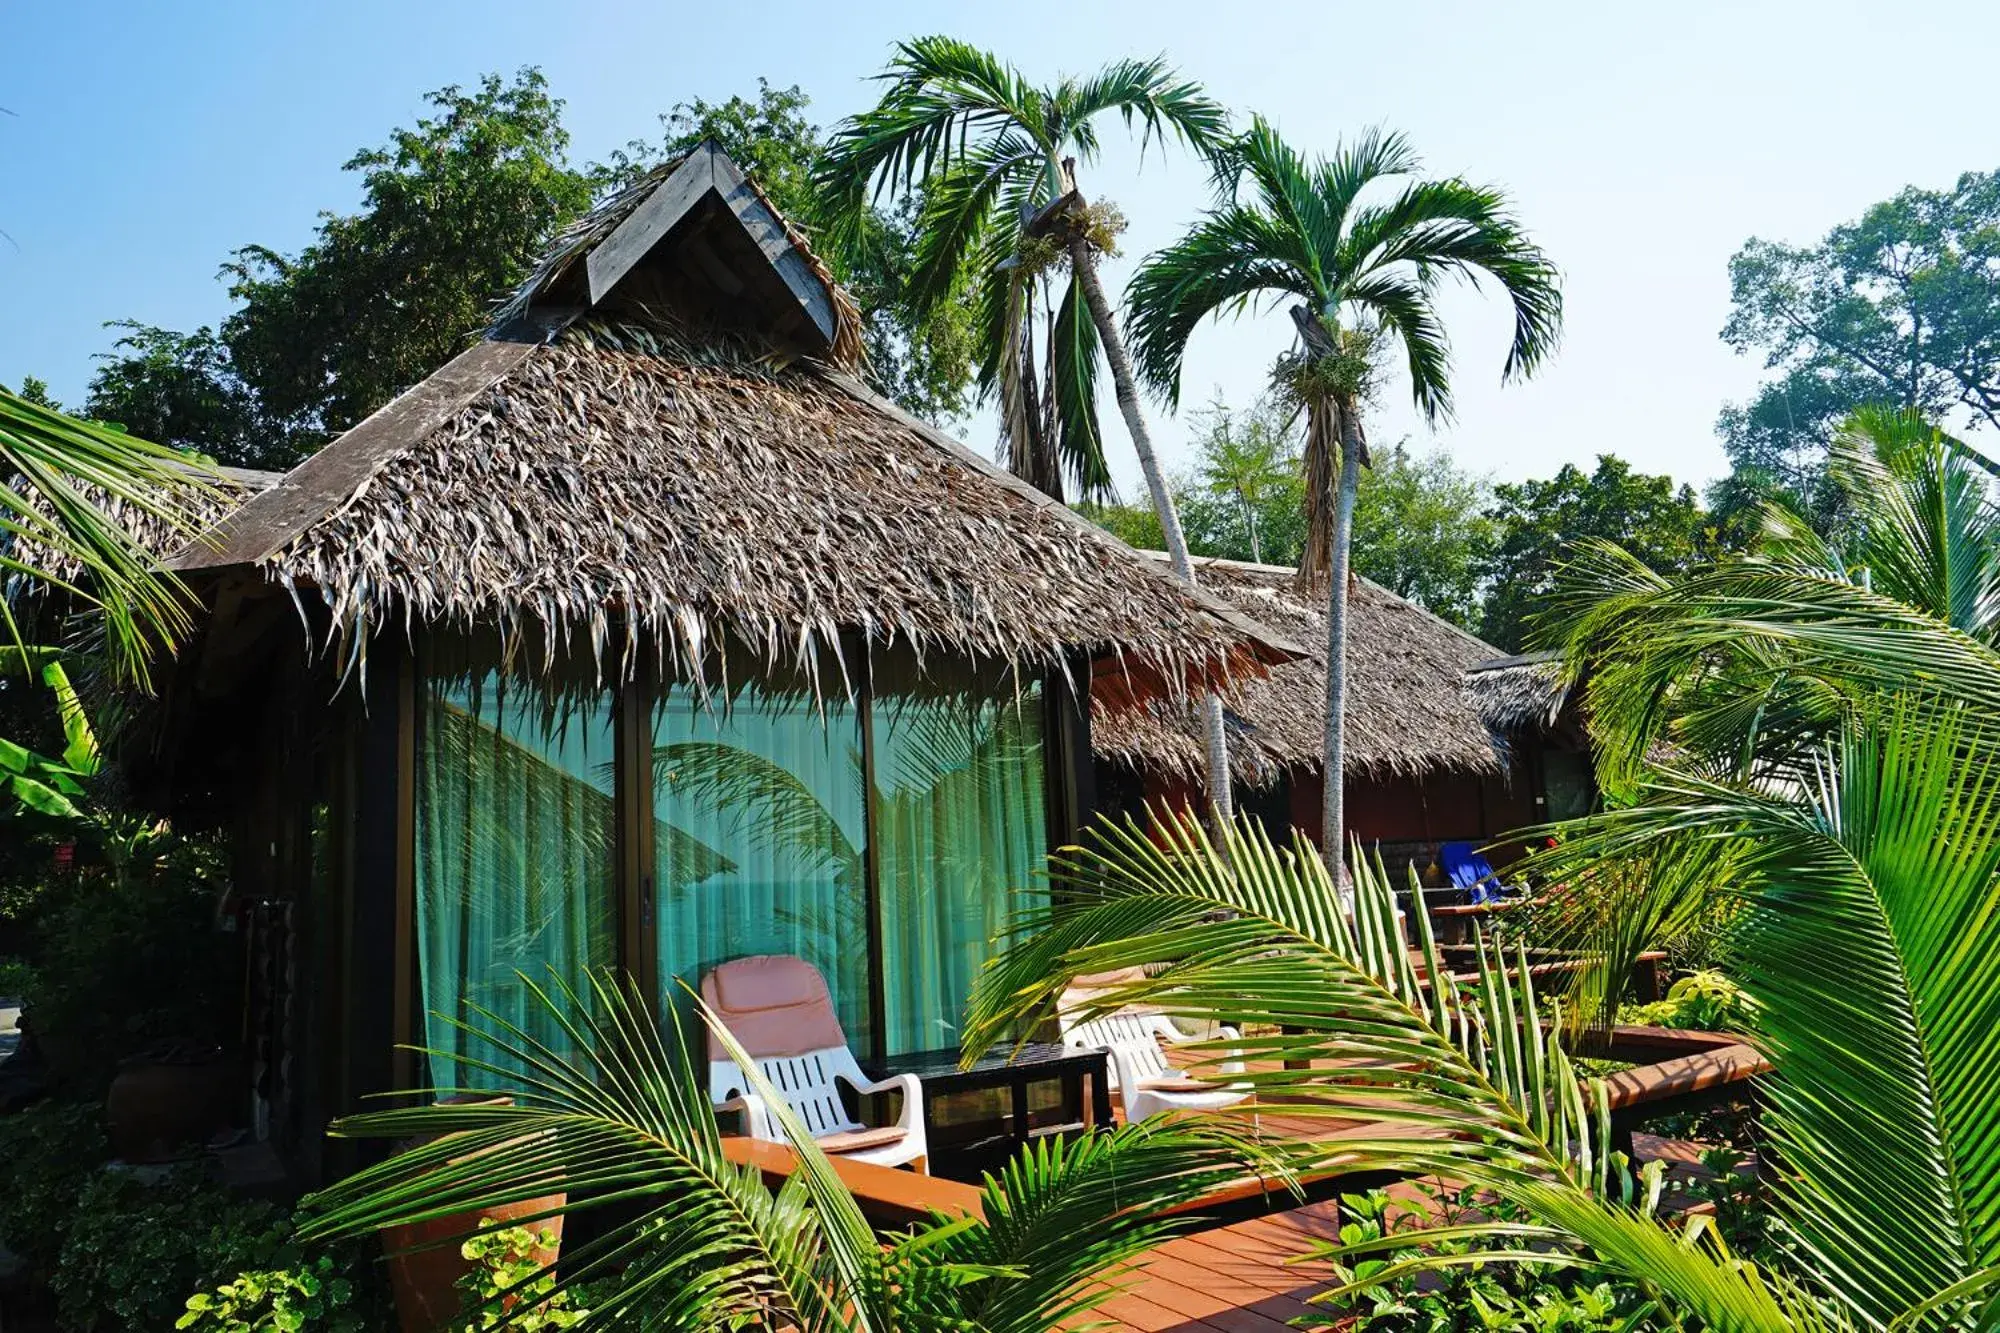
1333 814
1221 806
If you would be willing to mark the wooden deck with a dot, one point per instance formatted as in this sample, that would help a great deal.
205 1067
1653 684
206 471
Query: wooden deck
1241 1278
1249 1276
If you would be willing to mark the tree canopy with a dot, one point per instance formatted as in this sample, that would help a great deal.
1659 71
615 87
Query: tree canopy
1900 307
1422 530
1541 524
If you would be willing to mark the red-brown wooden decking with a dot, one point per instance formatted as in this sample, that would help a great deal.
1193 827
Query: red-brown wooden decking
1252 1276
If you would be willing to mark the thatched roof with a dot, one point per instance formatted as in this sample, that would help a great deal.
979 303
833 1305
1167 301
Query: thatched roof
1519 693
1407 714
675 466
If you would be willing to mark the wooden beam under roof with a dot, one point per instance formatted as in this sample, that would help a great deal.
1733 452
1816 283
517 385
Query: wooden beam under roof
708 171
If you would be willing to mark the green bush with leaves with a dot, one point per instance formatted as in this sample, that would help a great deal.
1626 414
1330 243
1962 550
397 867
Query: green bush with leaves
135 1247
130 953
509 1287
313 1297
1414 1282
1706 1001
48 1153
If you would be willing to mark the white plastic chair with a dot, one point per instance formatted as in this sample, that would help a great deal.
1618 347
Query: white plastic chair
1148 1084
779 1010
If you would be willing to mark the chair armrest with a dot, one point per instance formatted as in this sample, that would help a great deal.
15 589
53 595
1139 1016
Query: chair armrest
756 1117
912 1114
1234 1064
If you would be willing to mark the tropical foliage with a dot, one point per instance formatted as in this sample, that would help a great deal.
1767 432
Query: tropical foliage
72 490
687 1238
995 158
1541 523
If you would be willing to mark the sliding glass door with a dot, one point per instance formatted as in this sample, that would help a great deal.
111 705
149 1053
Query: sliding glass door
891 840
961 820
760 836
516 870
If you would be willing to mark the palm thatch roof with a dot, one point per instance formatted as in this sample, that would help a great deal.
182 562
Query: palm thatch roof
1520 693
662 446
1407 713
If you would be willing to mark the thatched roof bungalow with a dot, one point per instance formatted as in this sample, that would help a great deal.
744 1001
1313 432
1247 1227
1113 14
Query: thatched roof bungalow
1425 764
643 634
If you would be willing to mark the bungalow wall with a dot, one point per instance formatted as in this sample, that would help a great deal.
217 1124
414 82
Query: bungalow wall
1409 818
402 843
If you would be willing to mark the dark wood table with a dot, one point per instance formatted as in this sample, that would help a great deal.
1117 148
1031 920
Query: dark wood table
1013 1069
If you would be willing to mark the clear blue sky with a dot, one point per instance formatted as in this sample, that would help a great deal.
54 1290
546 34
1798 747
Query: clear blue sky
1642 145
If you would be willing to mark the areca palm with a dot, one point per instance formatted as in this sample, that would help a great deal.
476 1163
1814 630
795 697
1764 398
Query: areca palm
1361 277
995 158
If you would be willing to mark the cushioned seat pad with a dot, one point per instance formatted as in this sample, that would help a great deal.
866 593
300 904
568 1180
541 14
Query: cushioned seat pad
860 1140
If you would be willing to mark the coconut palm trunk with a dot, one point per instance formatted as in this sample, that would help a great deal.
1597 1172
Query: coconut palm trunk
1125 388
1333 818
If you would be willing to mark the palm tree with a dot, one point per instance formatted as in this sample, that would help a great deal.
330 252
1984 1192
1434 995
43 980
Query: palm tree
995 158
688 1239
72 492
1361 276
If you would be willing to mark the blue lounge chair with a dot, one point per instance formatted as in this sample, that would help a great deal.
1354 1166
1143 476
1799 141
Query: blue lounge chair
1471 872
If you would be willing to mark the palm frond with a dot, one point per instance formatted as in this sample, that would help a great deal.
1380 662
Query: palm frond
1073 386
1929 532
1230 257
1869 941
1338 1020
60 529
1152 95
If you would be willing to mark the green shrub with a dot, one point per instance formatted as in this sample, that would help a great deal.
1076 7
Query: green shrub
135 1248
315 1297
129 955
1706 1000
1501 1297
504 1281
48 1153
16 978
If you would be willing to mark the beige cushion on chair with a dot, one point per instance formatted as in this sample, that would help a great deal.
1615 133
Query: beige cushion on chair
860 1140
774 1005
1176 1085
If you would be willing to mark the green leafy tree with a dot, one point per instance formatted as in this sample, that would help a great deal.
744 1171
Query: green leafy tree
454 210
1421 530
994 158
1541 524
182 390
1900 307
1135 525
1362 276
1245 497
36 391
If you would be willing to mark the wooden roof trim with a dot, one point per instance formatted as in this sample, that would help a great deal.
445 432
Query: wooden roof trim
267 521
708 170
1276 647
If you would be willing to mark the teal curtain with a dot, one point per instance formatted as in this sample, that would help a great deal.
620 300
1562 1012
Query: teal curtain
962 823
516 861
761 834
